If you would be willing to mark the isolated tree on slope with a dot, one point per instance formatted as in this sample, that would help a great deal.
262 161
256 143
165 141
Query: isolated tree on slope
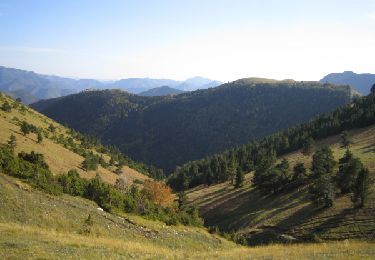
361 188
308 146
322 189
239 178
349 167
12 142
345 139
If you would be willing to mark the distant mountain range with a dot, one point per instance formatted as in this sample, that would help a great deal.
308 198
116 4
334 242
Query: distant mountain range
361 82
31 87
171 130
161 91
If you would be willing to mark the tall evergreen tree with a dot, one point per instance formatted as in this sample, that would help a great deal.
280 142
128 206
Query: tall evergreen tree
239 178
12 142
322 189
40 137
345 139
362 188
308 146
349 167
299 173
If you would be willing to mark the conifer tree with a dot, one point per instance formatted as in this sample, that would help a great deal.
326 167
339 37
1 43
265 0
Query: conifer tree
349 167
239 178
308 146
40 137
12 142
361 188
345 139
322 189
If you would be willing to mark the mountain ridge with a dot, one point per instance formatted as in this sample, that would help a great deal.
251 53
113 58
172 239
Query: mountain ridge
193 124
362 82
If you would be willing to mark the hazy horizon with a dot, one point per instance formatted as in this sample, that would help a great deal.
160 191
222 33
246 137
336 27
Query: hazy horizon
221 40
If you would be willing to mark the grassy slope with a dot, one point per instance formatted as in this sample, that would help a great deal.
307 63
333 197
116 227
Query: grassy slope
35 225
58 158
248 212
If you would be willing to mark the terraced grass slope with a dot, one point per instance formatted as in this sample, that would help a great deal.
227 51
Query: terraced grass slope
35 225
59 158
261 218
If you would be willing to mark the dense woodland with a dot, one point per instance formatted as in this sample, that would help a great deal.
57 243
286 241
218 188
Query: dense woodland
170 131
261 155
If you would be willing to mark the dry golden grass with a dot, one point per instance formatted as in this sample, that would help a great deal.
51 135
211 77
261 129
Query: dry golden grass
57 157
35 243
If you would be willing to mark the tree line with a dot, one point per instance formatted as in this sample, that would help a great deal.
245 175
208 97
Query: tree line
239 160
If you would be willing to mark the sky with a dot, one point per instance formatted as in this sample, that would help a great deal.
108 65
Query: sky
219 39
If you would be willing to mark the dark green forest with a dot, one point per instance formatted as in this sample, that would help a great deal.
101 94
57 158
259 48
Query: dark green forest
261 155
170 131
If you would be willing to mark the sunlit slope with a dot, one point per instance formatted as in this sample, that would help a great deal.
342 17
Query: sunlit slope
59 158
249 212
35 225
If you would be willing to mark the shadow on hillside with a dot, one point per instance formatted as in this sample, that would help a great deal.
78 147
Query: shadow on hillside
369 149
250 208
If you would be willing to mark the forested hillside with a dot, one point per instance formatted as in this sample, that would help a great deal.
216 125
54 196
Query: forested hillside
223 167
168 131
161 91
311 182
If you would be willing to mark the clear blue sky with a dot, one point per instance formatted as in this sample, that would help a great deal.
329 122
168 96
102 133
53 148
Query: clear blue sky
220 39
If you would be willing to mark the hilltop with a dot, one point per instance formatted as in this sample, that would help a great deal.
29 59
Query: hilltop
161 91
169 131
360 82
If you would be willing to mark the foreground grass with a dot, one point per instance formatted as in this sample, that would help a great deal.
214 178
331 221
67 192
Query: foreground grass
18 241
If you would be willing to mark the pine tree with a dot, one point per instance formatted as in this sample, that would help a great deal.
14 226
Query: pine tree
299 173
345 139
239 178
361 188
322 189
182 200
40 137
308 146
12 142
349 167
25 128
